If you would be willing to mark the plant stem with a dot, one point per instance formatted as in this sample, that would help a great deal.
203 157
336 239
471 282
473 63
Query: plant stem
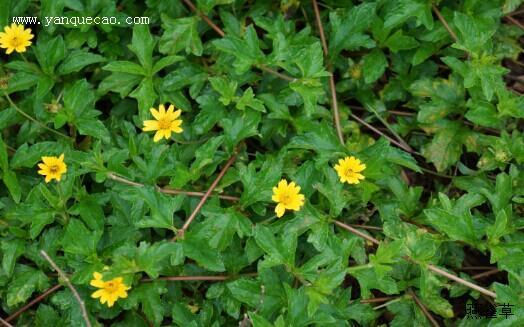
332 88
71 287
206 195
423 308
34 301
23 113
164 190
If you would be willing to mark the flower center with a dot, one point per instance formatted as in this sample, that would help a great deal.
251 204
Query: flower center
349 172
15 42
285 199
164 123
111 287
53 169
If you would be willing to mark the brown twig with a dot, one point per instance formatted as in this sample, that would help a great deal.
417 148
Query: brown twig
206 195
514 21
277 74
432 268
461 281
123 180
205 18
486 274
36 300
245 322
374 129
334 102
198 278
423 308
515 13
5 323
445 23
222 34
378 299
71 287
366 227
356 232
477 268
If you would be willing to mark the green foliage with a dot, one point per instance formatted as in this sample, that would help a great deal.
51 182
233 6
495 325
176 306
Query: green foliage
432 110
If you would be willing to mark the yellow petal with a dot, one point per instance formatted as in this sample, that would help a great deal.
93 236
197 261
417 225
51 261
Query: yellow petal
158 136
177 129
167 134
98 294
150 125
155 113
279 210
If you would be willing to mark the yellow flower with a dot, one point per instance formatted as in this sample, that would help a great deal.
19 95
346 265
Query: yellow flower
15 38
52 167
108 291
165 123
349 169
287 196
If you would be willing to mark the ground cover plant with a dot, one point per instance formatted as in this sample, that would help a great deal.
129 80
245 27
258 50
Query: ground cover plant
262 163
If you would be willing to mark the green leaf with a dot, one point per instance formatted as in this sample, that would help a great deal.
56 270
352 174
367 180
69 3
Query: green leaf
76 60
368 279
26 281
246 291
398 41
197 248
333 191
4 164
474 33
142 45
248 100
223 224
12 250
49 53
240 125
258 185
279 251
154 258
78 98
457 225
90 211
446 146
94 128
125 67
226 88
246 51
162 207
80 240
259 321
348 27
207 5
180 34
11 181
483 113
205 155
5 13
165 62
374 65
402 10
320 138
148 295
146 96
